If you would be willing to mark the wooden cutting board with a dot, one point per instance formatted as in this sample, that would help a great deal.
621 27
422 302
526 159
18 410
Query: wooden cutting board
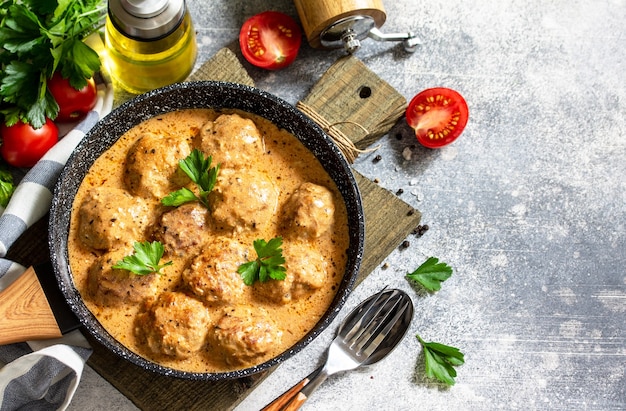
388 221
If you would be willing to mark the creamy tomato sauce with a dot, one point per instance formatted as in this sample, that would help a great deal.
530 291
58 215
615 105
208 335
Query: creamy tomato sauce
286 185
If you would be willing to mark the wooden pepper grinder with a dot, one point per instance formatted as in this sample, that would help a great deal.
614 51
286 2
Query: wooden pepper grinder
335 24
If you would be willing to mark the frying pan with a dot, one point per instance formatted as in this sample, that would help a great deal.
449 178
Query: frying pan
202 94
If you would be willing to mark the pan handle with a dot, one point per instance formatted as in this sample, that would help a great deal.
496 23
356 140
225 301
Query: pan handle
24 311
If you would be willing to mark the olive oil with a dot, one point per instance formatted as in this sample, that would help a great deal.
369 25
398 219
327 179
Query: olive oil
149 44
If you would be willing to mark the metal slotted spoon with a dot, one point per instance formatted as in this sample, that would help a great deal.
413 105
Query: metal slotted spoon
366 336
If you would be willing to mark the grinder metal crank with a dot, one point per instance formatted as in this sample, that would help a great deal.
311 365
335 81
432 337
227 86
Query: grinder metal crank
333 24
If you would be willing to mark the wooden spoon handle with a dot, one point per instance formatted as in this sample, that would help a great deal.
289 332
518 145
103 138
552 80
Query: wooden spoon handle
286 397
296 402
24 311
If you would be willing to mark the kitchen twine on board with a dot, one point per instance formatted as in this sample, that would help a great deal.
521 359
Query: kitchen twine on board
347 147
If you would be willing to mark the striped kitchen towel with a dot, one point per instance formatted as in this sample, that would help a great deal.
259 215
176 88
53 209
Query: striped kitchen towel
42 375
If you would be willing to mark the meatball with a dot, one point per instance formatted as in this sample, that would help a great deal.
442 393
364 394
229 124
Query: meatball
151 168
109 218
309 212
244 334
243 200
183 229
174 324
231 140
111 287
306 271
212 276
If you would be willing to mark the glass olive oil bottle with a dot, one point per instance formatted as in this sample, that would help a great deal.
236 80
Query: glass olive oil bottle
149 43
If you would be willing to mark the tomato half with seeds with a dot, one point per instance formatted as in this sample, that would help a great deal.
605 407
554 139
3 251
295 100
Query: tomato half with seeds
438 116
270 40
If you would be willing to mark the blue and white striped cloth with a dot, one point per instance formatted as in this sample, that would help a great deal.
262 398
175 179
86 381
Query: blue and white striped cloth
42 375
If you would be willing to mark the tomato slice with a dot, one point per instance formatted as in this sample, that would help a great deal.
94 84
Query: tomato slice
23 145
438 116
270 40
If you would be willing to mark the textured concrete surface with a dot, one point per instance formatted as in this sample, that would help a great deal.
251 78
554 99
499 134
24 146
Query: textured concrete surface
528 206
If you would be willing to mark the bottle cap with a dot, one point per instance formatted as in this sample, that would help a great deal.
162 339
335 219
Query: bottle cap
146 19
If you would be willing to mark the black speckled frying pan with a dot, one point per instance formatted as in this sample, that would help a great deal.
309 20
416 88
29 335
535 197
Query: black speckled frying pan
199 95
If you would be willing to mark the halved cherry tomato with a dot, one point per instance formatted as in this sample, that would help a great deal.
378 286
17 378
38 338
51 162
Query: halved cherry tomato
73 104
438 116
23 145
270 40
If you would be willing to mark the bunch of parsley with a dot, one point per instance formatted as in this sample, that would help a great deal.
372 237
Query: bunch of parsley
37 38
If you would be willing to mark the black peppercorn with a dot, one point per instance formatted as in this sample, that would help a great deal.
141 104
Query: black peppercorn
420 230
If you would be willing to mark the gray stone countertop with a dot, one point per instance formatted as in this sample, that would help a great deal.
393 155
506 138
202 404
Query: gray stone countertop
527 206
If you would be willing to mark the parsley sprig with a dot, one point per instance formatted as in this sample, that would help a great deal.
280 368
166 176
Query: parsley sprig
431 274
145 260
198 169
441 360
38 38
7 187
268 264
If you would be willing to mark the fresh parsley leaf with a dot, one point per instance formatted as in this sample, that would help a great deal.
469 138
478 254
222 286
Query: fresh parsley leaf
249 271
268 264
431 274
17 76
80 64
43 6
198 169
20 31
6 186
145 260
179 197
441 360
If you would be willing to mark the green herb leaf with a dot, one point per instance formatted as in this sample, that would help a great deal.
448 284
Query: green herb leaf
6 186
43 6
249 272
80 64
20 31
431 274
145 260
179 197
441 360
268 264
198 169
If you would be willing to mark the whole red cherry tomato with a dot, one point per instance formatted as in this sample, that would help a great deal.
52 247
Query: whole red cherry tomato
73 104
23 145
438 116
270 40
